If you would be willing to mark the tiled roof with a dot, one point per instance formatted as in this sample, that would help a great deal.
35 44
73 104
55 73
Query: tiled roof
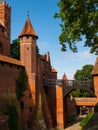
95 69
28 29
10 60
54 70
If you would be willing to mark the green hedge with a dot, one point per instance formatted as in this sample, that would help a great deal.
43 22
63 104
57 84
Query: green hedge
85 120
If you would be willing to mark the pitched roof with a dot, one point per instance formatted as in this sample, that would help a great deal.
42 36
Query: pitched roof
95 69
54 70
10 60
28 29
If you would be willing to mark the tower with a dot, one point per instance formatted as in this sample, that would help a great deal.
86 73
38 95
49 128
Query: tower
28 55
5 20
95 78
5 16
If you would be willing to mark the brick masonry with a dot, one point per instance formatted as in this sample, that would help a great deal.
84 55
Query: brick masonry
54 106
38 68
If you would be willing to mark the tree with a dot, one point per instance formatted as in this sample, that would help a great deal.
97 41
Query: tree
84 73
78 18
15 49
21 83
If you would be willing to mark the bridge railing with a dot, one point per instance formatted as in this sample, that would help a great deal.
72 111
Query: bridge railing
50 82
78 83
68 83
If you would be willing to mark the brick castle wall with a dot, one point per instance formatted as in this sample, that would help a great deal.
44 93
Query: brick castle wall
8 73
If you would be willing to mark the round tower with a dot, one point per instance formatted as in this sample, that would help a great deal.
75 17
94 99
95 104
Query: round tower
28 47
28 54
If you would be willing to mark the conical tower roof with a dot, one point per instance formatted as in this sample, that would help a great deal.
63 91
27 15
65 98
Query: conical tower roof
64 77
28 29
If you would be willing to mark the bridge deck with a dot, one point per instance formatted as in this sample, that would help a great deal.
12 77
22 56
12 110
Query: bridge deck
70 85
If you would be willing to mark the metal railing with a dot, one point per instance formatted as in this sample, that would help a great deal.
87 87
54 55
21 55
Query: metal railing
68 83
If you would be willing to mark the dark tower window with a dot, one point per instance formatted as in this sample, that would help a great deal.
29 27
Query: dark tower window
27 48
1 49
27 37
30 95
30 109
22 105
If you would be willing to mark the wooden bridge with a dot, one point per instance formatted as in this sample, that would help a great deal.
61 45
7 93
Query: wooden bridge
70 85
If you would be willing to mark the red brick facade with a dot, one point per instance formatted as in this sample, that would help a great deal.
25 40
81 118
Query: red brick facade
54 107
5 22
38 68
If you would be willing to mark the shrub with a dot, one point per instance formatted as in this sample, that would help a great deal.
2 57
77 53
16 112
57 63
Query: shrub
21 83
13 117
71 118
86 119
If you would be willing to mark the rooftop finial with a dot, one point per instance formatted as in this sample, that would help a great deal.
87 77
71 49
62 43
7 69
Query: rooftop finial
28 13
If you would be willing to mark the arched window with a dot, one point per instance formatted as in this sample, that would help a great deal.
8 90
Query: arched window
1 49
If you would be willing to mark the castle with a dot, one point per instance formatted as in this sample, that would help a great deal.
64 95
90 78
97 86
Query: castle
55 106
38 68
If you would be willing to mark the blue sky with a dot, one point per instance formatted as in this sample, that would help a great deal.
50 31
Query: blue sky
47 28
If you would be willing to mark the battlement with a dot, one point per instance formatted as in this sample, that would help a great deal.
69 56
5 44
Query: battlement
3 3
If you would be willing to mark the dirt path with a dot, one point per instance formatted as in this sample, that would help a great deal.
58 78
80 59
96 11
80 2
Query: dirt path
75 126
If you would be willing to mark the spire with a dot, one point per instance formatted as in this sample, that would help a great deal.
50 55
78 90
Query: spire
28 29
48 57
64 77
28 14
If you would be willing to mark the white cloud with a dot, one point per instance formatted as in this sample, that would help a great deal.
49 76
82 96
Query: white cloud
81 55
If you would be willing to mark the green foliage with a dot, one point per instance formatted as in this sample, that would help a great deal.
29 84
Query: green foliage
15 49
81 75
85 120
84 73
21 83
13 117
71 118
80 93
79 18
37 50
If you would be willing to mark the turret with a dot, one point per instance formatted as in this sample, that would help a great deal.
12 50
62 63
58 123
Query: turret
28 46
5 17
28 54
64 78
5 27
